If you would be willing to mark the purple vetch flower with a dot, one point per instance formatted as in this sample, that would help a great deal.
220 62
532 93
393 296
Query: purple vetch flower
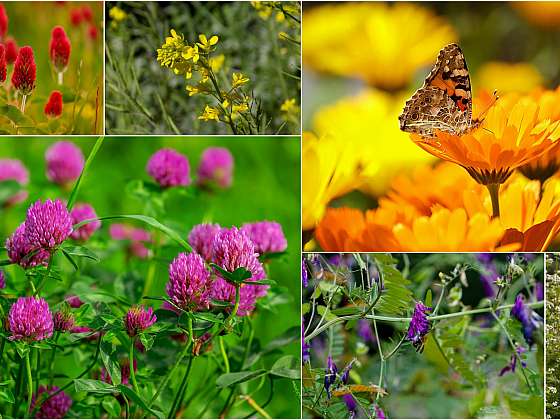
305 348
248 295
267 236
330 375
63 319
539 291
55 407
489 274
365 331
65 162
79 213
232 249
21 253
216 166
169 168
189 285
419 326
351 405
529 319
513 361
304 274
2 280
30 319
47 225
379 413
13 169
345 376
74 301
201 238
138 319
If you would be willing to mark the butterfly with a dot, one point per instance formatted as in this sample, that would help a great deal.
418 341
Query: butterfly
444 102
368 390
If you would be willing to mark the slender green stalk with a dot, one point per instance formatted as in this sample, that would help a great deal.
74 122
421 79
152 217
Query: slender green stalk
340 319
37 369
51 362
169 375
29 384
2 345
19 380
180 396
255 406
126 407
224 354
131 363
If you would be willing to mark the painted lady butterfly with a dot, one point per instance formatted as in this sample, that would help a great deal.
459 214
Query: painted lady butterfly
444 102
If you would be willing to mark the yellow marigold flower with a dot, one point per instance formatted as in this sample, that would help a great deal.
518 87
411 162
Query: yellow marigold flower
364 125
541 13
508 77
390 42
210 113
207 44
238 79
329 172
450 230
117 14
217 62
511 136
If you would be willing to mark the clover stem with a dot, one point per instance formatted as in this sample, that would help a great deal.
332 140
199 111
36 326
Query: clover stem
494 190
60 77
29 383
23 100
131 362
51 363
178 401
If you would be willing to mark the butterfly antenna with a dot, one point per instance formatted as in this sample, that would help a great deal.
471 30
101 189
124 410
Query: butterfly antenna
482 115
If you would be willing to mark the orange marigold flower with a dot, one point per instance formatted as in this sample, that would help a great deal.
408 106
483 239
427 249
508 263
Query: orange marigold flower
338 228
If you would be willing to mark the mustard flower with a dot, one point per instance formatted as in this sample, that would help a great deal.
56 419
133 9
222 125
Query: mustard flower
210 113
238 79
207 44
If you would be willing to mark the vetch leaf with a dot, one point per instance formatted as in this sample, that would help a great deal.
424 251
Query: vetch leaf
93 386
230 379
286 367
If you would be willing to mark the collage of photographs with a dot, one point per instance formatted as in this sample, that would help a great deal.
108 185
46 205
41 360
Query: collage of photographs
279 210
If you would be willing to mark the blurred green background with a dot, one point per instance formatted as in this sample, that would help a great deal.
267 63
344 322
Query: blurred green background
142 95
266 185
31 23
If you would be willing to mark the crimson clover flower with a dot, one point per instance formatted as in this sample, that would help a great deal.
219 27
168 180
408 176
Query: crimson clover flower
216 166
266 236
351 405
513 361
201 238
20 251
79 213
30 319
11 50
529 319
3 22
169 168
419 326
189 285
24 74
330 375
55 407
65 162
53 107
3 64
47 225
138 319
59 49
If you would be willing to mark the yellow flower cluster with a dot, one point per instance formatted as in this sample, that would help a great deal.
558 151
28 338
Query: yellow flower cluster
117 15
283 9
186 59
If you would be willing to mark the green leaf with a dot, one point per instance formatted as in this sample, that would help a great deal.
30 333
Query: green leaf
395 299
110 362
70 259
326 313
208 317
93 386
265 282
237 276
15 115
230 379
6 395
287 367
130 394
81 252
112 407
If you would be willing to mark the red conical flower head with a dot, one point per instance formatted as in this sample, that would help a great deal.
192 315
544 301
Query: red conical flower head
76 17
3 22
2 63
53 108
23 77
59 49
87 13
11 50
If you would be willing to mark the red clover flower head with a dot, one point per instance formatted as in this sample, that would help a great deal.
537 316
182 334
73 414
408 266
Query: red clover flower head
138 319
169 168
47 225
266 236
419 326
30 319
24 74
3 64
201 238
11 50
65 162
59 49
248 295
53 107
13 169
189 284
137 237
21 252
74 301
3 22
82 212
232 249
64 319
216 167
55 407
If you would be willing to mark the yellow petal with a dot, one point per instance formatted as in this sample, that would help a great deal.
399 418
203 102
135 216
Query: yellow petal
203 39
214 40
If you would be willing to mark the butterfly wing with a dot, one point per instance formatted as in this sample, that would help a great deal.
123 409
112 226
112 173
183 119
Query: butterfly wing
444 102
